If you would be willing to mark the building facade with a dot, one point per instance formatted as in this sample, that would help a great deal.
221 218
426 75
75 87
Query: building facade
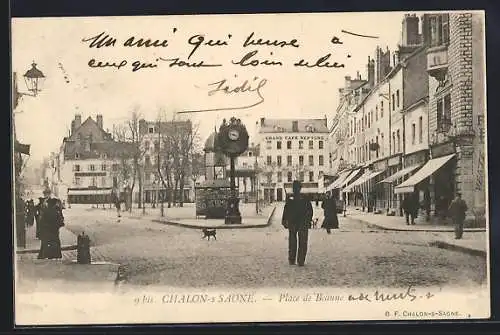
91 163
291 150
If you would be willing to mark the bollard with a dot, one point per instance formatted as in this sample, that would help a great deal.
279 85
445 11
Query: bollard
83 249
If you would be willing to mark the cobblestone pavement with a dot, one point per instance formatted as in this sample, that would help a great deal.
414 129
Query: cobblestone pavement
353 256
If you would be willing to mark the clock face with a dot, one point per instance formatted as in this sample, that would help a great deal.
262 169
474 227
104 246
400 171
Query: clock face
233 134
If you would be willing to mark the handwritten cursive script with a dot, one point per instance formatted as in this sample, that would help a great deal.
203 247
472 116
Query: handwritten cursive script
253 86
409 294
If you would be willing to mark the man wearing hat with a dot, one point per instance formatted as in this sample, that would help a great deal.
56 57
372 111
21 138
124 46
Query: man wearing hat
457 211
297 216
51 220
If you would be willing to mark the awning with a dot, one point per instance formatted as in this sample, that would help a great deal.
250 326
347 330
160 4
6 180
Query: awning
336 184
348 179
428 169
400 174
368 175
90 192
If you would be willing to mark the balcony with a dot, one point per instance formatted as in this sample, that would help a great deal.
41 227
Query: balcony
437 62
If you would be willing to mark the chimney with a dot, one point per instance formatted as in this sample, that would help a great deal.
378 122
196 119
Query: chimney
347 81
78 121
358 75
410 33
295 126
262 121
371 71
99 121
72 127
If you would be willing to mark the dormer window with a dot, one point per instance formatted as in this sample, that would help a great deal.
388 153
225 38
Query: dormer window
310 128
151 130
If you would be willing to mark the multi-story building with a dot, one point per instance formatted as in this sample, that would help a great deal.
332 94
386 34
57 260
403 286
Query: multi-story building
154 136
457 111
291 149
90 162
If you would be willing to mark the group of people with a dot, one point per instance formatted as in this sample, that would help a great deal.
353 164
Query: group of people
298 214
49 218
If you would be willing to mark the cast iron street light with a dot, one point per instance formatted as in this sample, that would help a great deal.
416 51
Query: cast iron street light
34 79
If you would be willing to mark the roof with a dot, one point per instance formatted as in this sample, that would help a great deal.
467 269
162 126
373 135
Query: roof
111 149
286 126
89 126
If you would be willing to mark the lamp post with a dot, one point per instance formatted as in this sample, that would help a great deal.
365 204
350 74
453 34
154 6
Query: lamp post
34 79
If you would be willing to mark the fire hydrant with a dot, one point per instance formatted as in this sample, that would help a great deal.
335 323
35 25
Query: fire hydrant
83 249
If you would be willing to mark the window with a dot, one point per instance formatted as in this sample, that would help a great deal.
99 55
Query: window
311 160
103 167
371 117
278 160
413 133
280 176
289 176
420 130
289 160
78 181
268 160
397 98
268 145
382 145
321 160
378 147
321 144
269 177
151 130
311 145
288 144
399 141
301 160
114 167
311 176
301 144
381 109
278 145
91 167
76 167
93 182
393 149
393 102
444 113
439 29
301 175
376 113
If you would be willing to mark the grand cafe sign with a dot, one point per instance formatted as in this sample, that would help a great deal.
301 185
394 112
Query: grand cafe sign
296 137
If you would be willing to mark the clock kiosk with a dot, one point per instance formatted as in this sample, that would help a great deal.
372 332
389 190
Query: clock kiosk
232 140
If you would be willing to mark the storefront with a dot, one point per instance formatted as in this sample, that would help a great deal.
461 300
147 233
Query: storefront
364 185
89 196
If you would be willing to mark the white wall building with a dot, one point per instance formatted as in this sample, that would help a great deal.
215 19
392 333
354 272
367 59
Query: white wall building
291 150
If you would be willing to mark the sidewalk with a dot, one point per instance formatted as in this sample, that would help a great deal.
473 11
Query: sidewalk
398 223
474 241
68 241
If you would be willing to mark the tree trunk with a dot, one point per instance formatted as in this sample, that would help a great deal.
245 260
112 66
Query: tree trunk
176 189
140 202
181 187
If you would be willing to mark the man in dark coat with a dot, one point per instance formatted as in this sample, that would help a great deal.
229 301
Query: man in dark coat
51 220
297 216
410 209
329 206
457 211
115 198
38 215
30 213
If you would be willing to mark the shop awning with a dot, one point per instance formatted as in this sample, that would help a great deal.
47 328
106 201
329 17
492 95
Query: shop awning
89 192
368 175
349 178
400 174
428 169
336 184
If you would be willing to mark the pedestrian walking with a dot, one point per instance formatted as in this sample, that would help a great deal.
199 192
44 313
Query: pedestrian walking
51 220
38 215
30 212
331 220
297 216
116 201
457 211
410 209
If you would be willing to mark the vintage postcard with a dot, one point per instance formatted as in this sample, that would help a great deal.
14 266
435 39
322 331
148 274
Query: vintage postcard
250 168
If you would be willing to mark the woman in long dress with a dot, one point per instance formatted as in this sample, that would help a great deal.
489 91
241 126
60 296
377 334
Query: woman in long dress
331 221
51 221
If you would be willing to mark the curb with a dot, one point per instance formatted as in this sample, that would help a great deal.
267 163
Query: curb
454 247
224 226
34 251
430 230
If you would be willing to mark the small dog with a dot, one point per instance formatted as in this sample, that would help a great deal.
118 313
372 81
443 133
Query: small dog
208 233
314 223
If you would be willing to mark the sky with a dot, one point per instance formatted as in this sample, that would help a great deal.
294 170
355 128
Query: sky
71 86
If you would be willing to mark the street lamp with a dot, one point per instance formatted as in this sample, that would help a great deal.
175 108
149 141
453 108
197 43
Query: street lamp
34 79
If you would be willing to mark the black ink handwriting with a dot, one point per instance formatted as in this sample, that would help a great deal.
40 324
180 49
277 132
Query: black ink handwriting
251 41
408 294
137 65
100 40
180 63
247 60
336 40
359 35
147 43
198 40
360 297
98 64
321 62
